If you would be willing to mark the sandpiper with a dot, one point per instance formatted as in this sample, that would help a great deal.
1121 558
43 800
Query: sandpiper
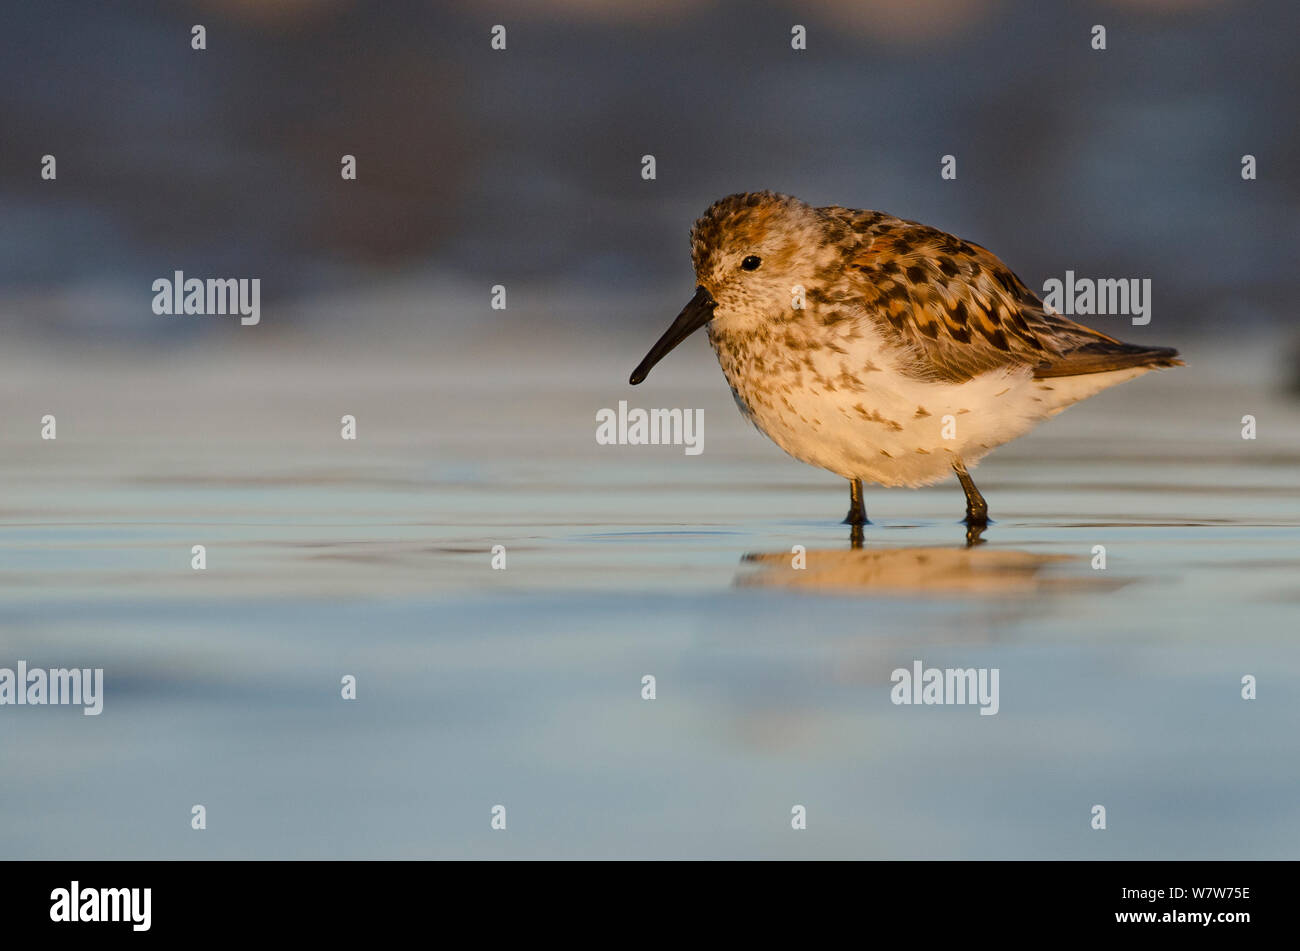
883 350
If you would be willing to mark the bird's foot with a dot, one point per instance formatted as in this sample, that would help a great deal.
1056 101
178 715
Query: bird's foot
857 510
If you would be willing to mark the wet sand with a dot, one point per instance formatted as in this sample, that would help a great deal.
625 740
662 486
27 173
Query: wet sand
523 687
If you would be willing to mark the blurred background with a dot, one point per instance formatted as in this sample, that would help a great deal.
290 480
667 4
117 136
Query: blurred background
476 428
522 167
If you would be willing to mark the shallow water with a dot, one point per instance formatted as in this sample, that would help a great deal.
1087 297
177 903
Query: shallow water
522 687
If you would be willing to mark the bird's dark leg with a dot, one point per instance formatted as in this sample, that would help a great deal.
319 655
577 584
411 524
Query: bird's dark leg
977 510
857 511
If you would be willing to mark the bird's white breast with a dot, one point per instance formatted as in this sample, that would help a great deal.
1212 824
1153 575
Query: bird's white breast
836 398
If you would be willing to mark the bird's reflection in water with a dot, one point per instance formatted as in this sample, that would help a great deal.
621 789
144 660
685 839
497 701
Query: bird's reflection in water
967 571
974 535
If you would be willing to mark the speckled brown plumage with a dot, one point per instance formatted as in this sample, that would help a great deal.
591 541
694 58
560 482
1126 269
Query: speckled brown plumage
950 304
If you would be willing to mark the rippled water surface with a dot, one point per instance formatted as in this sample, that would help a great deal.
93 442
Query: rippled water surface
522 687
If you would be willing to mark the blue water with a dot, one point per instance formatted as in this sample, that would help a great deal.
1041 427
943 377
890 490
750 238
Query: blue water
522 687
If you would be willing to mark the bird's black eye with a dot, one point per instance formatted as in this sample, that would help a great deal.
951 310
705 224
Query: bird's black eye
751 263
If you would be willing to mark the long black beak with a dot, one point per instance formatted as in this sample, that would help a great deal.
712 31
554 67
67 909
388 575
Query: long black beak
693 316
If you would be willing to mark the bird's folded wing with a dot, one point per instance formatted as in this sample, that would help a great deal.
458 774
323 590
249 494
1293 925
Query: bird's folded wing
956 311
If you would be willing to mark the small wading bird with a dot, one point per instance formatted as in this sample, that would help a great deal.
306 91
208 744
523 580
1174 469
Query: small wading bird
848 337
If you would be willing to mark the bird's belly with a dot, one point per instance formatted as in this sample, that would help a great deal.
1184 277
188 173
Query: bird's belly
890 429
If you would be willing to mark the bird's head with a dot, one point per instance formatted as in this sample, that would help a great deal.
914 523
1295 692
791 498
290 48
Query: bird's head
756 254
